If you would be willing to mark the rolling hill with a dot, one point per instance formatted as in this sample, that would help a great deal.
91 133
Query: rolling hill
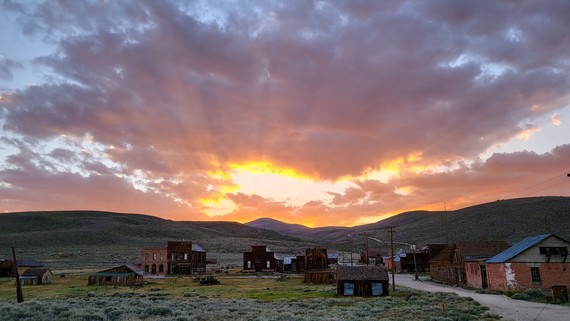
74 239
96 239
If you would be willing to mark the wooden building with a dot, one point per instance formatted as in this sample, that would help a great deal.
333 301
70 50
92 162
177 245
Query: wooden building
36 277
317 268
367 280
259 259
407 263
185 258
373 256
538 262
448 261
182 258
129 275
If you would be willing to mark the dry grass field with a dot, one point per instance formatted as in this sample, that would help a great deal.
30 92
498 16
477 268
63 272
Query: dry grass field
239 297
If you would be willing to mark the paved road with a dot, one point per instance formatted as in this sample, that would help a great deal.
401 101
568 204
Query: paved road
509 309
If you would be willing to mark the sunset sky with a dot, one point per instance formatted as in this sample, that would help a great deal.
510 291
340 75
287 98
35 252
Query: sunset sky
312 112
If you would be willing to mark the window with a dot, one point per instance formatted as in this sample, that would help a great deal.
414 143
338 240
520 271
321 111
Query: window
161 257
146 268
249 264
535 274
146 257
161 268
185 256
268 264
348 288
154 256
377 289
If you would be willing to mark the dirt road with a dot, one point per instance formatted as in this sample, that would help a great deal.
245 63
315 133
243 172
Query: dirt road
509 309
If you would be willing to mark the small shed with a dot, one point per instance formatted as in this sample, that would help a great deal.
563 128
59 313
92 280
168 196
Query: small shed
36 276
129 275
361 281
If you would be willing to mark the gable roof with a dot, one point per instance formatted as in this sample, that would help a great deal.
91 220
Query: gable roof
518 248
27 263
361 273
443 253
35 272
478 249
120 270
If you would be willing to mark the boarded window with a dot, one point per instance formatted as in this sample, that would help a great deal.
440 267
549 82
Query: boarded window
554 250
535 274
377 289
348 288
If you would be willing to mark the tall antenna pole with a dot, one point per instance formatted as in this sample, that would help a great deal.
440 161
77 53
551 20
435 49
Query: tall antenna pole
19 293
446 225
391 231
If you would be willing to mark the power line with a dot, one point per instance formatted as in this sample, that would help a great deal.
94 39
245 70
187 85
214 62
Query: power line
529 190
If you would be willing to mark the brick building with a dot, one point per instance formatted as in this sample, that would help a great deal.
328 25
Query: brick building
178 257
153 260
535 262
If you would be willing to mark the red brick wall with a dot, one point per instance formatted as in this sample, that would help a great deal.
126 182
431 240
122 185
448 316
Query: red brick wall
550 274
152 259
473 275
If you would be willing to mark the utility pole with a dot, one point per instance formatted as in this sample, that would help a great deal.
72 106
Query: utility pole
415 264
366 244
19 293
391 231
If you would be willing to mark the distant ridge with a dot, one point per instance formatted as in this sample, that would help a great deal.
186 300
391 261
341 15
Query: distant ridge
506 220
278 226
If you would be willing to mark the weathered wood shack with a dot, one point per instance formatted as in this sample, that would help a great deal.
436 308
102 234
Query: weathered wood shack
361 281
36 277
129 275
316 266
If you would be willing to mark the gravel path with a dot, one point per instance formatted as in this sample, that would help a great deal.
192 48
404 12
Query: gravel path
509 309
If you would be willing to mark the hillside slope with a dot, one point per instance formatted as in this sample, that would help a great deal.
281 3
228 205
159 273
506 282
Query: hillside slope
506 220
91 238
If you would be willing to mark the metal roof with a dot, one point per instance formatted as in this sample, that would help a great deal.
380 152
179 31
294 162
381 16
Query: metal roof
197 248
518 248
28 263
